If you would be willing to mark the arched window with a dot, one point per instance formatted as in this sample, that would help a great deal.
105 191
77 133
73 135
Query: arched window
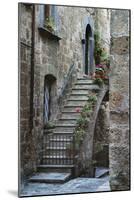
49 96
88 50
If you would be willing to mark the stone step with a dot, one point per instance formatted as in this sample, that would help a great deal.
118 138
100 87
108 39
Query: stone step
58 144
66 121
64 131
101 172
57 161
69 109
55 168
69 125
78 98
76 103
86 87
53 177
79 92
69 116
84 81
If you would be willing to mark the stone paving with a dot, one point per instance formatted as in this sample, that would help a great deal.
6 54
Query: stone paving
77 185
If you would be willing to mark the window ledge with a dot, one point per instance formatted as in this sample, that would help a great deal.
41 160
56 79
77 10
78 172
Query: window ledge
49 33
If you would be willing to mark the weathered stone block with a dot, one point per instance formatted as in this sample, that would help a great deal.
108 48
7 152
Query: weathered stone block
119 168
119 136
120 45
119 117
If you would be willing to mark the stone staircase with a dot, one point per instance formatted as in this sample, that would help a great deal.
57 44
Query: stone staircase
58 163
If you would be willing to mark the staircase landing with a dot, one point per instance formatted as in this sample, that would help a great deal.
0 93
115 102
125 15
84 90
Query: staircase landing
53 177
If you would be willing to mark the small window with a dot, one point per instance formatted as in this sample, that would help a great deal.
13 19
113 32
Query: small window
48 17
49 21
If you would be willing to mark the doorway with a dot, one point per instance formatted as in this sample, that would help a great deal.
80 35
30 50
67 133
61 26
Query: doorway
88 50
49 96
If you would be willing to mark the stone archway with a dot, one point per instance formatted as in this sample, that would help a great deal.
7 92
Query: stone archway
84 161
101 137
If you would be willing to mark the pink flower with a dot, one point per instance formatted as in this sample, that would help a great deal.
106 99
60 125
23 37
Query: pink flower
77 110
99 66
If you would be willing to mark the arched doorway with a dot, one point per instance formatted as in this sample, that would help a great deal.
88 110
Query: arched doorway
49 96
88 50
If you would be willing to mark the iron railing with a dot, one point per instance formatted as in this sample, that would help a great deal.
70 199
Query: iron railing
59 149
67 80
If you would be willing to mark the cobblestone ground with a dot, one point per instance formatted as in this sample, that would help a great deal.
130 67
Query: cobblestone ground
78 185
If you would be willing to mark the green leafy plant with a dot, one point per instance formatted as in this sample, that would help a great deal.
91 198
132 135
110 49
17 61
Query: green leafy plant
49 23
99 81
87 109
100 54
49 125
92 98
82 122
102 62
79 136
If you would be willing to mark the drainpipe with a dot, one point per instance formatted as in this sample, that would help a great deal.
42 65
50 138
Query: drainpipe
32 67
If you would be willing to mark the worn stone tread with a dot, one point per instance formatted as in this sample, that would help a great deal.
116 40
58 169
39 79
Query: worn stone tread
85 87
84 82
65 125
55 166
53 177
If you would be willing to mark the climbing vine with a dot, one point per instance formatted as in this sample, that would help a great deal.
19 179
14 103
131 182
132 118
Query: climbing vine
82 122
101 61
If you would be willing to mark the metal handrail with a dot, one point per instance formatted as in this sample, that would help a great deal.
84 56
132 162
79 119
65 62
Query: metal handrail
71 70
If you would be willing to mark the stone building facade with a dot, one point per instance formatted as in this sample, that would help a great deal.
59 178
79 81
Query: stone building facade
46 58
119 100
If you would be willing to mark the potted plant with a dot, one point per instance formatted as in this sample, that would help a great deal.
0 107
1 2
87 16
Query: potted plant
49 24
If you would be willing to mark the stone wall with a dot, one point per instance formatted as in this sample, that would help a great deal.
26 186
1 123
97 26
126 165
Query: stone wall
54 57
27 146
119 101
102 26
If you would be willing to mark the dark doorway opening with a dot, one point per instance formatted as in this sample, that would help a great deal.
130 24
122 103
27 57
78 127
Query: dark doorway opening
49 95
88 49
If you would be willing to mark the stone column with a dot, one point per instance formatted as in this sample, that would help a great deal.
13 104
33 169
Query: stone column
119 101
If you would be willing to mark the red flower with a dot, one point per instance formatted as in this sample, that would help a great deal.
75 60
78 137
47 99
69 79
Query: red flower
77 110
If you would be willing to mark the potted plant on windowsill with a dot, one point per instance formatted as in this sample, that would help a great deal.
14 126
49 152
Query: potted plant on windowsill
49 24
